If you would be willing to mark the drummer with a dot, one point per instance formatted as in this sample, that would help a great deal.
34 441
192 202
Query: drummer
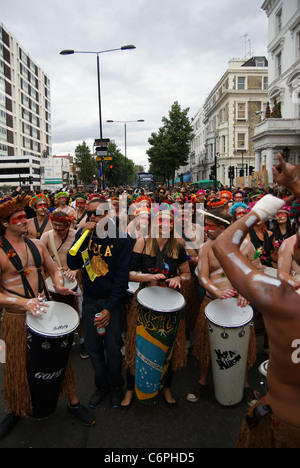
217 285
41 223
156 260
58 242
275 421
20 296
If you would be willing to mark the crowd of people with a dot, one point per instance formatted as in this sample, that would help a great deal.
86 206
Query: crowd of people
129 240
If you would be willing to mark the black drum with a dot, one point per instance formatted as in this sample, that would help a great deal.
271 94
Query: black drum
49 341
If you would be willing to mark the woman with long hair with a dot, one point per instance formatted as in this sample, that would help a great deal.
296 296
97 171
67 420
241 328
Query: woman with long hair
158 260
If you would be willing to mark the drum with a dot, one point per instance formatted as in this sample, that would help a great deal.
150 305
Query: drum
49 342
67 284
158 317
229 333
263 370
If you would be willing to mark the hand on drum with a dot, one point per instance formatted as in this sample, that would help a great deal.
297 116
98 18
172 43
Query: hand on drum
36 307
174 282
103 321
70 275
64 291
227 293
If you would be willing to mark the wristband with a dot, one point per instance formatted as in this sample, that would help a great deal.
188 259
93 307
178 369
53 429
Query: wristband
267 207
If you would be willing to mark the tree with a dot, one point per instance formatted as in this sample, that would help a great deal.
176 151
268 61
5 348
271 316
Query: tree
85 162
170 147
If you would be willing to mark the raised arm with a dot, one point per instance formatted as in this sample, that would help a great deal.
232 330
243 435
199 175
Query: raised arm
262 291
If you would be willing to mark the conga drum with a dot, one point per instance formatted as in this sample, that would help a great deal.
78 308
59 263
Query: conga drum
263 370
229 334
158 316
49 343
67 284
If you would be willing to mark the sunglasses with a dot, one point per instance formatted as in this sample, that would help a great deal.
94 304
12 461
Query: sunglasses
95 213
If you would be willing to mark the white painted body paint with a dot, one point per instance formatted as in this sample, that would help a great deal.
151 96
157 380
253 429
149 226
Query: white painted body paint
267 279
239 263
251 221
237 237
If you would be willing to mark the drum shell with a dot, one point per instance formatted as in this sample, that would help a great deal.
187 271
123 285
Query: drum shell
155 336
46 369
49 343
229 351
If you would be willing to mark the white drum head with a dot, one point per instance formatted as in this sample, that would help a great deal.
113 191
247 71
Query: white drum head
226 313
271 272
196 271
133 287
59 319
161 299
67 284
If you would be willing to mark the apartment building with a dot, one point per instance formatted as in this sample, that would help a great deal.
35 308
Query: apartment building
25 106
281 133
227 120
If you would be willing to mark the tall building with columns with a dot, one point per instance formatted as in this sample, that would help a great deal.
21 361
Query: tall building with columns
280 130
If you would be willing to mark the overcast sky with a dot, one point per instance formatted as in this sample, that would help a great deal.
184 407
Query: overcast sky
182 50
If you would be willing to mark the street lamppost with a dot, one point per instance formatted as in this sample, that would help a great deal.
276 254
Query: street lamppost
125 122
70 52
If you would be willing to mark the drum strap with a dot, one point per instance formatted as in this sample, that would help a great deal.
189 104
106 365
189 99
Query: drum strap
54 249
16 262
40 229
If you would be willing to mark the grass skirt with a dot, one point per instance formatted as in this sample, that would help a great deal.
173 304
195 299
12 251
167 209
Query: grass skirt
269 433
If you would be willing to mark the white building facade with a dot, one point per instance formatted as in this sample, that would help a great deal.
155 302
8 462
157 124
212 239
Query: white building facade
25 106
228 118
281 134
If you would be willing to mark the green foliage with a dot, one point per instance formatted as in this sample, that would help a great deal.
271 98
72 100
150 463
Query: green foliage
85 162
170 146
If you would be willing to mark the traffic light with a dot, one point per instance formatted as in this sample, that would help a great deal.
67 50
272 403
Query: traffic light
30 179
242 172
251 170
24 180
231 172
111 170
212 174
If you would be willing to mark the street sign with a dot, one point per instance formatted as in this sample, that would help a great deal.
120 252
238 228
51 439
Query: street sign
108 158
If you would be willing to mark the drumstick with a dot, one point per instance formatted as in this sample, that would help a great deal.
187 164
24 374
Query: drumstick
74 249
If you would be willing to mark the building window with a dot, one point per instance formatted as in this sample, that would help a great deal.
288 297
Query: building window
278 64
279 21
241 139
266 83
241 111
241 82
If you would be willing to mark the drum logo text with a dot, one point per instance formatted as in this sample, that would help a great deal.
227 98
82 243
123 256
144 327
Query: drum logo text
49 376
227 359
60 327
296 354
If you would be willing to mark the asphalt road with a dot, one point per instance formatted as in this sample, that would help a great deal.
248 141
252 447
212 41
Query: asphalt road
205 424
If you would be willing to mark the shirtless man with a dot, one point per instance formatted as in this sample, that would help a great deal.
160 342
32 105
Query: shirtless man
59 240
22 283
41 223
62 205
217 285
275 421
